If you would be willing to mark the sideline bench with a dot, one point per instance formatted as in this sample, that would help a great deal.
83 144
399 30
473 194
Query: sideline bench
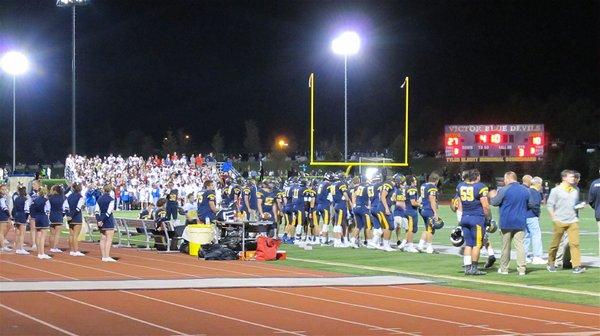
135 227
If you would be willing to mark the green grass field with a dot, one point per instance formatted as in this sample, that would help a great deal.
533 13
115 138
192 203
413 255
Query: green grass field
447 268
588 229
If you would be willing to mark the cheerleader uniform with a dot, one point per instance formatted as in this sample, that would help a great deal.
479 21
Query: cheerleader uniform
39 209
75 203
104 209
4 212
57 214
19 214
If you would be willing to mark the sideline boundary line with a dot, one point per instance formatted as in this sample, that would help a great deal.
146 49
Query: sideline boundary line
448 277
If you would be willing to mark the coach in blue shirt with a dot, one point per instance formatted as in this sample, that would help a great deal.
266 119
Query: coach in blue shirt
513 200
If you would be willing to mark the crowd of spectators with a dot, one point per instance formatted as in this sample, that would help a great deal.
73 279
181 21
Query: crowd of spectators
140 181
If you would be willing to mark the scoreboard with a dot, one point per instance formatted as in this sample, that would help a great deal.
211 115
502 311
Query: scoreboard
494 143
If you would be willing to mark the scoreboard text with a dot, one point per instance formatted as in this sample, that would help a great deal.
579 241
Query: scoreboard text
494 143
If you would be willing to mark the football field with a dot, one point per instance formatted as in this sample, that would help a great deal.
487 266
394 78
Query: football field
561 286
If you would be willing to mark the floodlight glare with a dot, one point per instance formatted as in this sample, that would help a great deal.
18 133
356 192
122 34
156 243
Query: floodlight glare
14 63
68 3
370 172
346 44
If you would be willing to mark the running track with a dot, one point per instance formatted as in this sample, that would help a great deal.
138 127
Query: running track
385 310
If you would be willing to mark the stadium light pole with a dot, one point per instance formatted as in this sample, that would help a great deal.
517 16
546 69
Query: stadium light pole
73 4
14 63
346 44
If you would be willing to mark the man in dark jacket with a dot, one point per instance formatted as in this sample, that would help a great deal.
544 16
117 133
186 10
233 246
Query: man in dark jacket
513 201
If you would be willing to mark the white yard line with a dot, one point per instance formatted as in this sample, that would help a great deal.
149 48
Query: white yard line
47 324
216 314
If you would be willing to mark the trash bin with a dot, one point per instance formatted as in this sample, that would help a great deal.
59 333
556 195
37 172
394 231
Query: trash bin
198 234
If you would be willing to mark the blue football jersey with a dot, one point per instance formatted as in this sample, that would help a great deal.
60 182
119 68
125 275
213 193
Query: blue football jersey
470 197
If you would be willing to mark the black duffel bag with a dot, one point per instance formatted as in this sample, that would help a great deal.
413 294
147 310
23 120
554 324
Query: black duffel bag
216 252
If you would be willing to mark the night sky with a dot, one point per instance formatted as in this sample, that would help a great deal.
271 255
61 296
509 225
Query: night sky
205 66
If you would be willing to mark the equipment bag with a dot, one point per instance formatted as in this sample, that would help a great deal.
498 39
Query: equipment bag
216 252
266 248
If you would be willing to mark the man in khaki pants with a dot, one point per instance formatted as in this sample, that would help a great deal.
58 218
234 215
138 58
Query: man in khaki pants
561 207
513 200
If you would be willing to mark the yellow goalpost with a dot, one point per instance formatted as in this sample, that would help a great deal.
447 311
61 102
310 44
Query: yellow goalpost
311 85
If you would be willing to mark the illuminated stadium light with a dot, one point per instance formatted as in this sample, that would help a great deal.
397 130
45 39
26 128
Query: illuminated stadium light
346 44
68 3
370 172
282 143
14 63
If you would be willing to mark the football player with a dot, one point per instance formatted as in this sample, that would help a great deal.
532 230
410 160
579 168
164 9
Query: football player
362 214
475 210
288 213
429 211
207 204
384 212
411 211
267 207
248 207
373 191
323 204
311 223
298 207
280 202
341 199
400 220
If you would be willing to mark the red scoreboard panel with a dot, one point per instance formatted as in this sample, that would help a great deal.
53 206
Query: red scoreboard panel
494 143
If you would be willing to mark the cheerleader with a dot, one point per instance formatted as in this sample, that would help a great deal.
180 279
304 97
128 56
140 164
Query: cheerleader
57 204
39 210
73 206
106 223
20 219
35 187
5 220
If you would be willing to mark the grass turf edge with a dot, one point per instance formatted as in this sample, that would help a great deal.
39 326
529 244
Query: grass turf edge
525 292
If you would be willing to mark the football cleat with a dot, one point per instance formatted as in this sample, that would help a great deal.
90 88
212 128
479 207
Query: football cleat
490 262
